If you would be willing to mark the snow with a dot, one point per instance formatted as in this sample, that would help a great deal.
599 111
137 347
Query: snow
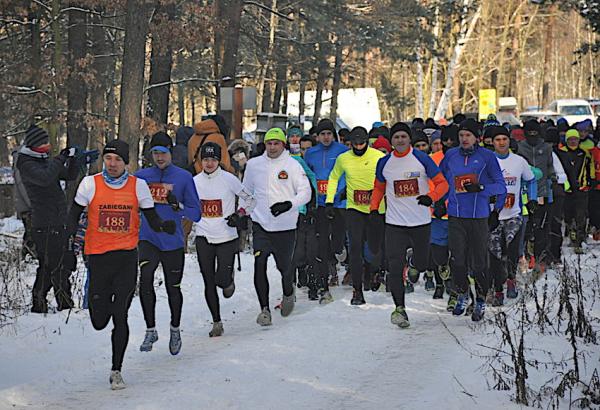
321 357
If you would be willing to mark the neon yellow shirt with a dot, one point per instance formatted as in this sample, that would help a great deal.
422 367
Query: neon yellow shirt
360 179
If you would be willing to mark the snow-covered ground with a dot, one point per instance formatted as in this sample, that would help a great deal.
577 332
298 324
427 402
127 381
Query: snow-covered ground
335 356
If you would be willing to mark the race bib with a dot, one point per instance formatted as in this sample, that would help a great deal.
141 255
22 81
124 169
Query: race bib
212 208
114 221
406 187
322 186
159 191
510 201
461 180
362 197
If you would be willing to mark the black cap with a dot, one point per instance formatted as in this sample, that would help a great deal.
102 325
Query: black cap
532 128
325 125
495 130
161 142
119 147
36 137
358 135
470 125
419 136
210 150
400 126
551 136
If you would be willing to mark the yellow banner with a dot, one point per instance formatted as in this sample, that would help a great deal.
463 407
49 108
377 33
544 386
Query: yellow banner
487 102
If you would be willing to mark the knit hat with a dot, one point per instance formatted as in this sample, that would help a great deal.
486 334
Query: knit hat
382 142
470 125
400 126
119 147
450 133
210 150
161 142
381 131
325 125
458 118
562 124
572 133
36 137
551 135
490 122
294 130
275 134
495 130
437 135
358 135
584 125
419 136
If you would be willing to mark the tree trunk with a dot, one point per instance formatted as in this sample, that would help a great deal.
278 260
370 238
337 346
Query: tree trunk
266 99
279 85
466 29
321 79
193 105
434 66
420 100
181 103
77 134
132 76
264 87
547 66
301 105
337 80
35 64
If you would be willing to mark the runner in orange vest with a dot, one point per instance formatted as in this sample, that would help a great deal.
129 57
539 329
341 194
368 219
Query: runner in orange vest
113 199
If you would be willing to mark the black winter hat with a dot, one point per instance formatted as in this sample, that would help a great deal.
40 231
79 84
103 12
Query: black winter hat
210 150
458 118
551 136
450 133
400 126
495 130
36 137
419 136
162 140
358 135
119 147
470 125
326 125
380 131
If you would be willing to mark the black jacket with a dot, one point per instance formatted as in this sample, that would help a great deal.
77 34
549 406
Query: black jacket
41 177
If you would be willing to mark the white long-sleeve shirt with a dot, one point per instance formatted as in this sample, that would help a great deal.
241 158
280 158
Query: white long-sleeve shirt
273 180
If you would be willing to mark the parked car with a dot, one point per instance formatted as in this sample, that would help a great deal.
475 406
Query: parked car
573 110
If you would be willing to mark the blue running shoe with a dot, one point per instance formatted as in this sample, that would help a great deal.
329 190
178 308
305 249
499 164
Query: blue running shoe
461 304
479 310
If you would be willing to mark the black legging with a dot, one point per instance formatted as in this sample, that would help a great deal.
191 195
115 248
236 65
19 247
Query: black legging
50 244
358 226
281 245
224 255
402 237
112 283
172 264
330 237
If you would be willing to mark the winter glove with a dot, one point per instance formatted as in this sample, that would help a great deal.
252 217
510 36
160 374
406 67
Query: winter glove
330 212
168 227
311 216
238 220
473 187
172 200
68 152
424 200
343 195
280 208
493 199
531 206
439 209
90 156
493 220
233 220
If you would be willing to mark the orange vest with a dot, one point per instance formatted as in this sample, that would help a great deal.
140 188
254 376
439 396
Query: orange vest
113 218
437 157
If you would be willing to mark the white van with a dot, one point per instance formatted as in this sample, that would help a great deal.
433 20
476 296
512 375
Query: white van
573 110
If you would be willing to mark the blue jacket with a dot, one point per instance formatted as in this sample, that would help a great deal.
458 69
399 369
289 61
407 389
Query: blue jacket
482 165
181 183
321 160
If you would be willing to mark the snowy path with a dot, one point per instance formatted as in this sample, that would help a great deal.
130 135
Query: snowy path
321 357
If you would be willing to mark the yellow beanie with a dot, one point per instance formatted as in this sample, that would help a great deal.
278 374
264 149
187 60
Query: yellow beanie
275 134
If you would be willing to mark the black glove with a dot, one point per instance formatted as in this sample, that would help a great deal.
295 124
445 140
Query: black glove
439 209
493 220
69 260
424 200
68 152
280 208
233 220
531 206
311 216
473 187
343 195
172 200
330 212
493 199
168 227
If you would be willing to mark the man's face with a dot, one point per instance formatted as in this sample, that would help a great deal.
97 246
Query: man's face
274 148
209 165
422 146
436 145
401 141
583 134
573 142
161 159
359 145
348 143
114 165
304 146
466 139
487 141
326 137
501 144
294 139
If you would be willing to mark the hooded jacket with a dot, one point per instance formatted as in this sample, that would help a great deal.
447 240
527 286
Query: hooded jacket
539 156
207 131
239 145
481 165
41 177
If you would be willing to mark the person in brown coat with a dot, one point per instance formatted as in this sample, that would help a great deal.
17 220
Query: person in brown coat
207 131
